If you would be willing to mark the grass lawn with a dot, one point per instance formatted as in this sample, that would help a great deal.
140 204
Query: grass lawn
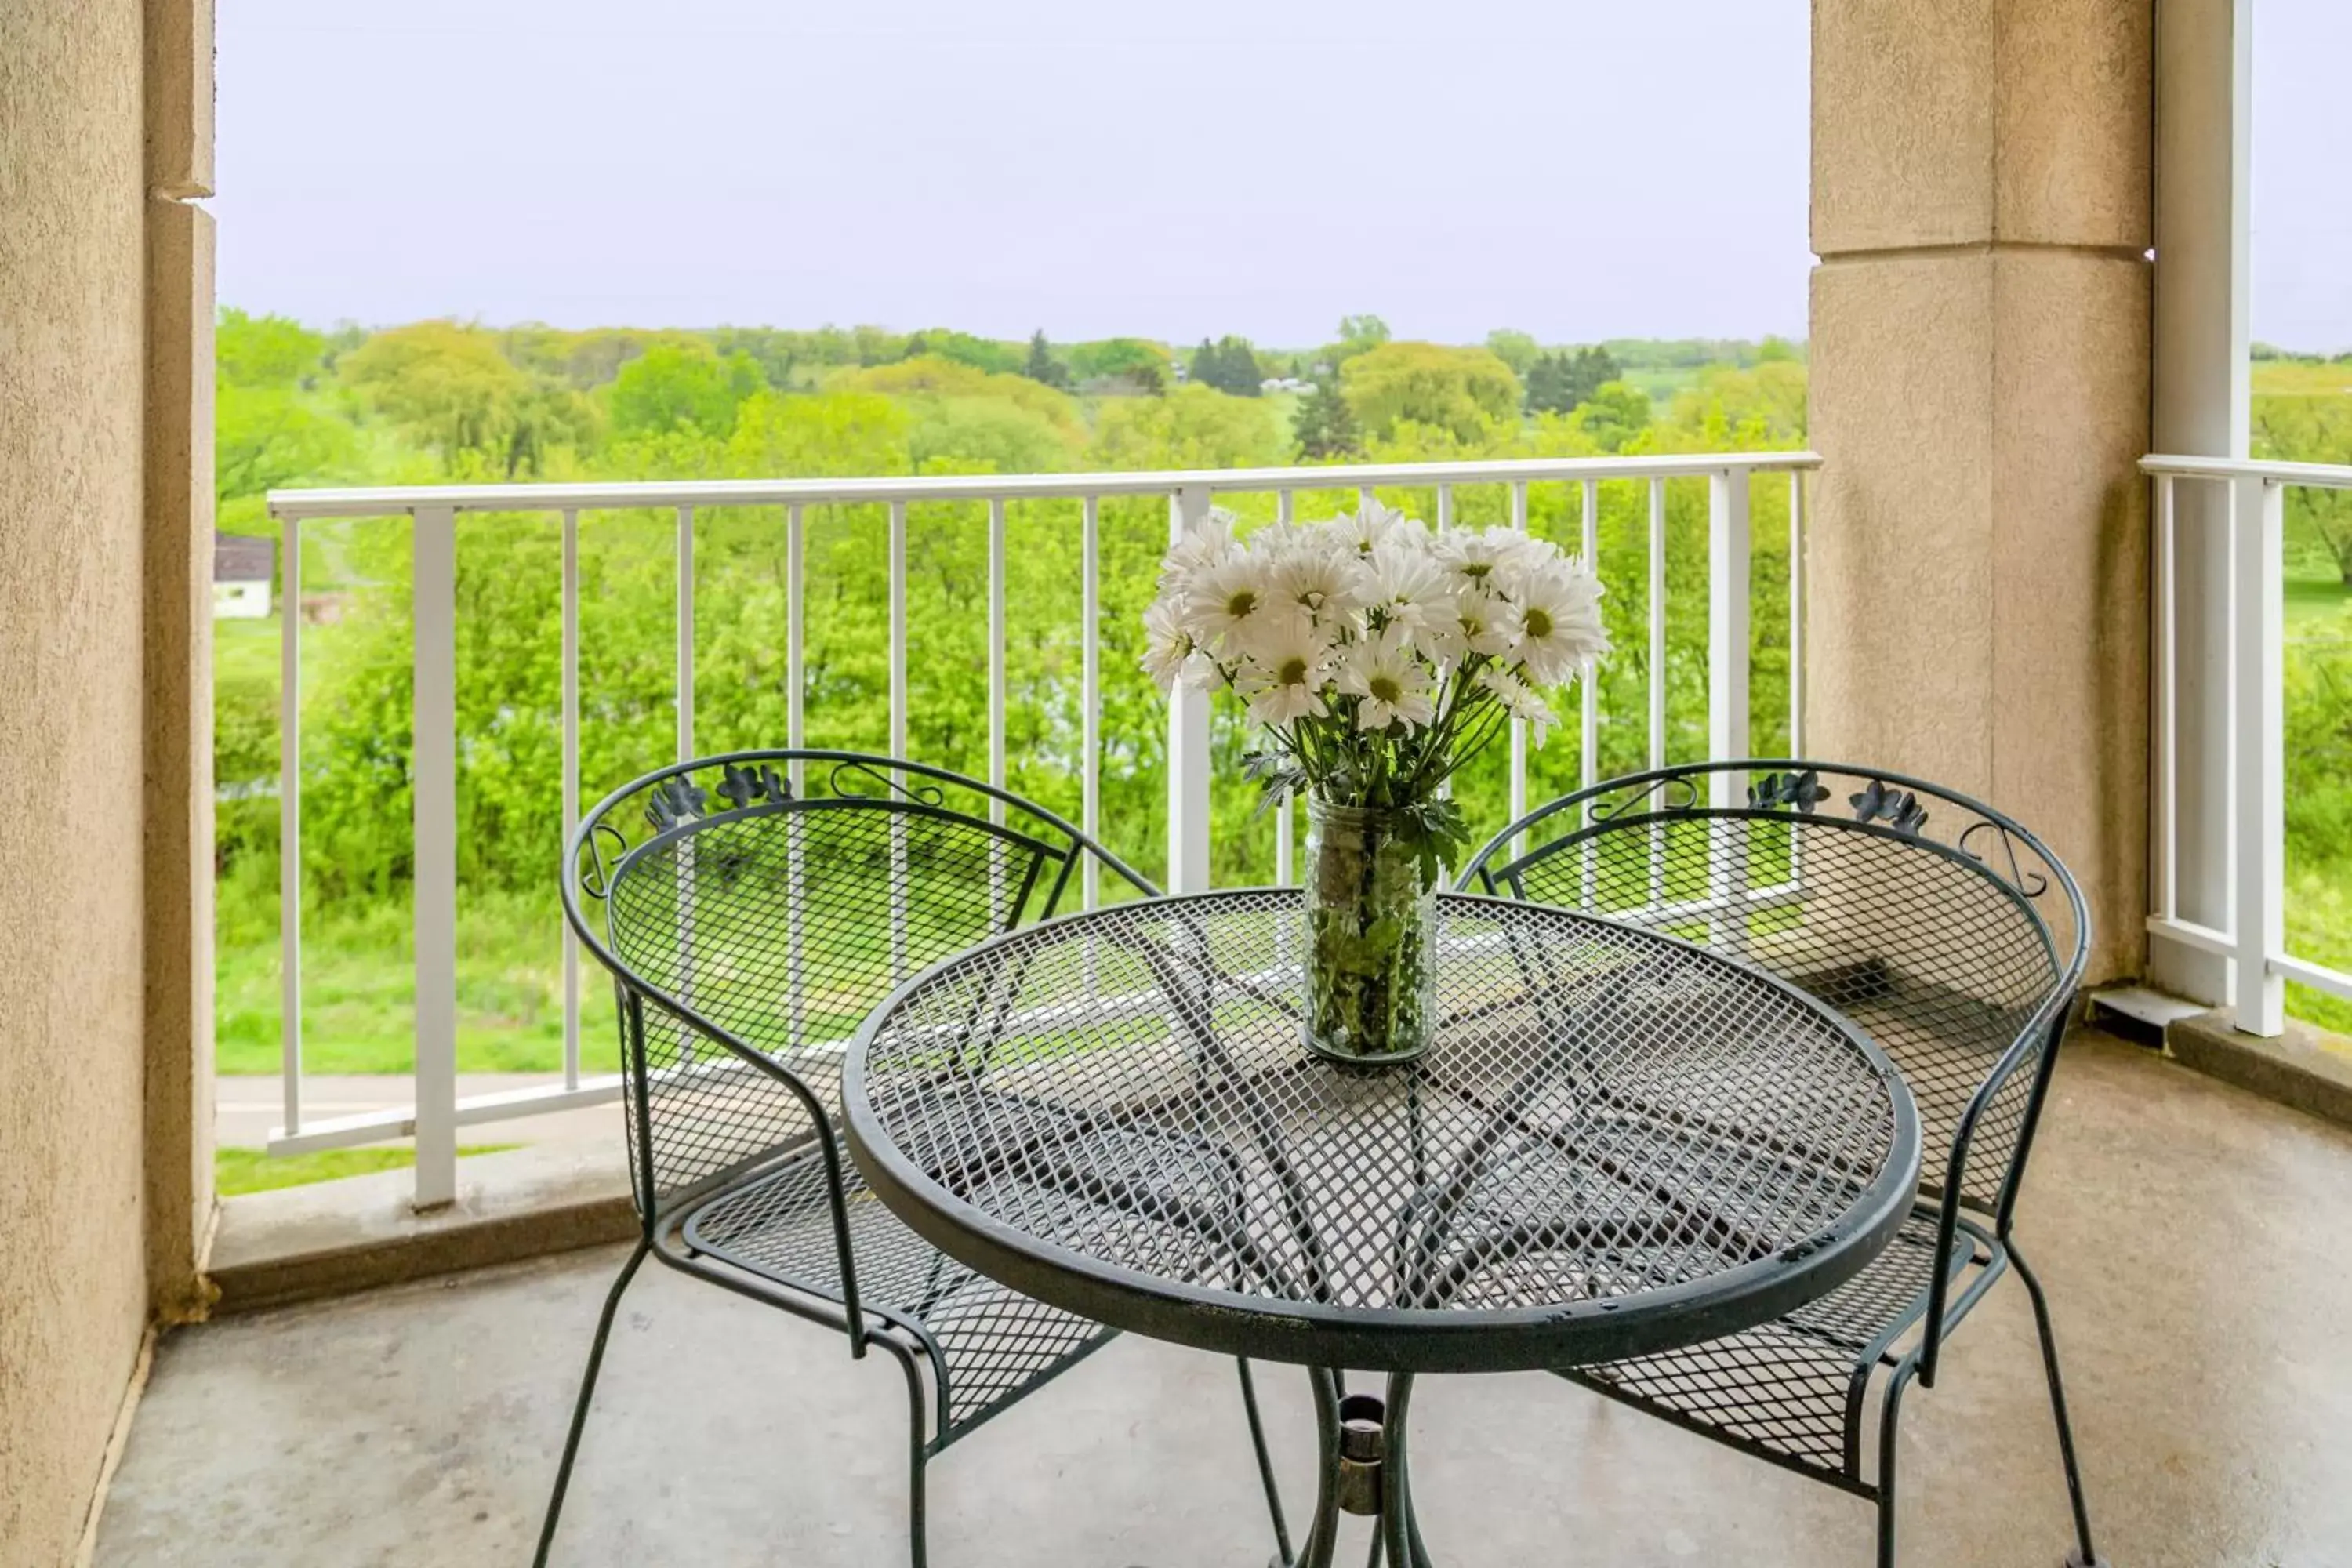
358 1002
240 1170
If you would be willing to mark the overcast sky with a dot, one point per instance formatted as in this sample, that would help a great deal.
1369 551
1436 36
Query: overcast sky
1251 166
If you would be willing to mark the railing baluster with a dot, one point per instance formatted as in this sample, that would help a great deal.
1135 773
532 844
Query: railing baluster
996 653
570 595
1657 610
996 692
795 635
1727 567
1588 758
2258 770
1796 612
1188 740
2167 745
1090 693
433 798
685 633
796 770
289 824
897 732
1444 506
1285 852
1518 807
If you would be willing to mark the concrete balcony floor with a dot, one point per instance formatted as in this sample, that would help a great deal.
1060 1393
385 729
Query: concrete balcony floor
2194 1240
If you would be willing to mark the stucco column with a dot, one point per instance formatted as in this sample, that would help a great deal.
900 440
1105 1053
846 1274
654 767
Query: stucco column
178 711
1979 343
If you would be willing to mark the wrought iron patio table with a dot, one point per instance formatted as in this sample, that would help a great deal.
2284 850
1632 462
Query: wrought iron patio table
1619 1144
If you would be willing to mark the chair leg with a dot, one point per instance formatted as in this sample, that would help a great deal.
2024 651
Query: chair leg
1890 1415
587 1392
1265 1461
918 1452
2084 1556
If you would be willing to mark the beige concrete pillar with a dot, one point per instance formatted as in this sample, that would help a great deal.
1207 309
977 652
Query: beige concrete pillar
1980 345
178 647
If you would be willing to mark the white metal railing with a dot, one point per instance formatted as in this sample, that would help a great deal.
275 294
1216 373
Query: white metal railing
2245 816
438 1111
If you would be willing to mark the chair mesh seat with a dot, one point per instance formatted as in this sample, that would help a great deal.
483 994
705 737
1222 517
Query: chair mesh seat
994 1342
1793 1386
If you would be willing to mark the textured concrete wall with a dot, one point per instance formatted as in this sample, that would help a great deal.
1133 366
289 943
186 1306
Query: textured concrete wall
72 538
1980 367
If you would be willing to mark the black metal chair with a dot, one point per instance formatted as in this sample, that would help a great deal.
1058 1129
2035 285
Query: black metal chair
752 909
1943 928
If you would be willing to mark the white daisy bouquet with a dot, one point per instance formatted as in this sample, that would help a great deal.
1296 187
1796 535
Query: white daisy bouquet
1379 656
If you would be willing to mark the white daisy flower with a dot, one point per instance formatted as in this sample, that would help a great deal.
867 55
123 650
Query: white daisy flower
1230 606
1170 656
1365 529
1324 583
1520 699
1477 560
1555 625
1407 587
1200 548
1285 675
1388 683
1470 623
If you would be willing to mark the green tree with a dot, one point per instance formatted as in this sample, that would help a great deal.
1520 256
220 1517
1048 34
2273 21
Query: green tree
981 353
1559 381
672 385
1043 366
263 350
1515 348
1193 427
1322 427
448 387
1229 365
1614 415
1120 364
1465 391
1361 334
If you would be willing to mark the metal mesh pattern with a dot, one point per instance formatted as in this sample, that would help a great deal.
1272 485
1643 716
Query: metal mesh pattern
1919 915
1937 926
754 909
993 1342
1605 1113
1793 1386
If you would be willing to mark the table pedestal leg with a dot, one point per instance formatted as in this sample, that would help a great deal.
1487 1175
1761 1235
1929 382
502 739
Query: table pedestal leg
1363 1470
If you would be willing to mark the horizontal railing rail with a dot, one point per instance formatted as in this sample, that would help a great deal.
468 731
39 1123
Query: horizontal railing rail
433 510
2246 817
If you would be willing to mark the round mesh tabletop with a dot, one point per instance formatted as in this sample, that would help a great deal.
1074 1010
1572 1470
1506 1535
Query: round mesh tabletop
1617 1145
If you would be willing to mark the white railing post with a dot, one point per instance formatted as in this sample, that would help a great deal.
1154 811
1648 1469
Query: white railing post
290 827
2258 773
1090 697
685 634
570 611
1188 741
434 795
1726 699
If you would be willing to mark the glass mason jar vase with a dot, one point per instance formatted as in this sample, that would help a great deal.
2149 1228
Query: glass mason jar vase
1370 936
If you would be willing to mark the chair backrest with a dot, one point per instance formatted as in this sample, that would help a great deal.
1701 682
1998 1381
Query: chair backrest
1940 926
754 908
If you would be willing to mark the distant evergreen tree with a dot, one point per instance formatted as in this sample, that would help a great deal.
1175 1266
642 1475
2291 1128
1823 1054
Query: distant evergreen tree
1229 365
1042 366
1323 426
1560 382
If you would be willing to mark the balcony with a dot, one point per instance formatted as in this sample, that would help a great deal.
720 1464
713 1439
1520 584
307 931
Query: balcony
2193 1238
